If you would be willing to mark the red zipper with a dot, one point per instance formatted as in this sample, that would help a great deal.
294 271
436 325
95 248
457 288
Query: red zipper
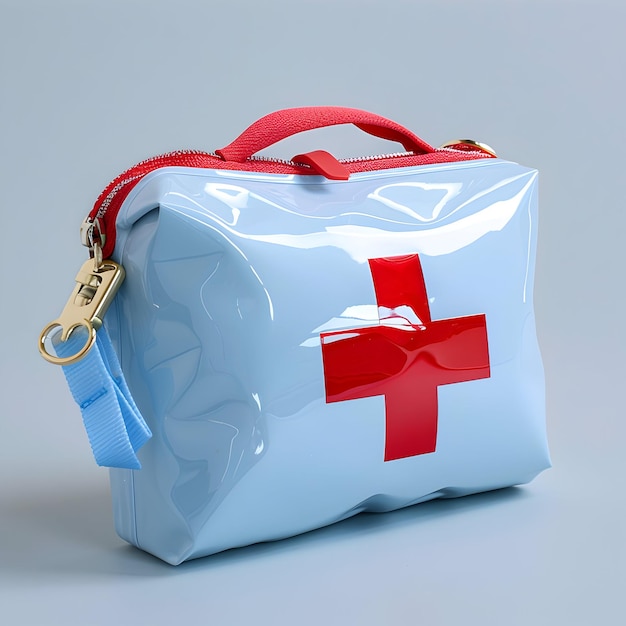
108 204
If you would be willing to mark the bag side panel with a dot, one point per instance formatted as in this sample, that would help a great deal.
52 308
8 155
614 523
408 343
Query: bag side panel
229 286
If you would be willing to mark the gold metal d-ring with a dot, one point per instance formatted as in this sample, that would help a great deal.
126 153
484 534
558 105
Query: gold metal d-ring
68 360
469 145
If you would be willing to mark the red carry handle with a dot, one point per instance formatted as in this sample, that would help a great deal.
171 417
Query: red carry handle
282 124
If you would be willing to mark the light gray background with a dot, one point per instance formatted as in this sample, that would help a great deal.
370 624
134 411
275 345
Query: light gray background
89 88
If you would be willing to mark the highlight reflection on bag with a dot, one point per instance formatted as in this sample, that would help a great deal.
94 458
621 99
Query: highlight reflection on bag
307 339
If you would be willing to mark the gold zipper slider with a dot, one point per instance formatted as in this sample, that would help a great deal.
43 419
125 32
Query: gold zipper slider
469 145
96 286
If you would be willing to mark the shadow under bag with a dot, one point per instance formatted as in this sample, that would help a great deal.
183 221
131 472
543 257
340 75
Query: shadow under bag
313 338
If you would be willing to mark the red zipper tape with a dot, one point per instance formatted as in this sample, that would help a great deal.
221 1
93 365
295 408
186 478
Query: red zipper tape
264 133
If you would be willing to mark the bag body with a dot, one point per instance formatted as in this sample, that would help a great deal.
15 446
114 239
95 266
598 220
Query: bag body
271 329
295 342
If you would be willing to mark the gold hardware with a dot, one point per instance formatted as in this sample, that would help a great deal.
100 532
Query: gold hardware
94 291
90 232
97 257
469 144
93 238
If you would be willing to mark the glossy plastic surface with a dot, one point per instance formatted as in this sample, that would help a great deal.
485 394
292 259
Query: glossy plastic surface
231 280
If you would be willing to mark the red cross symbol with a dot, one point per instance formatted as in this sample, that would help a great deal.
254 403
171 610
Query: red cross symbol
405 358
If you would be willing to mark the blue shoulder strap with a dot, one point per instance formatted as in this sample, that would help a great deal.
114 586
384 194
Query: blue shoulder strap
115 427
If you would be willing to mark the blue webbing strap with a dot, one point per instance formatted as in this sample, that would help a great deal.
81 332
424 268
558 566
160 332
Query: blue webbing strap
115 427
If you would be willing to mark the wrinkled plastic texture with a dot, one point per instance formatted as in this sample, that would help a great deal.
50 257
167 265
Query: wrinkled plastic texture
232 279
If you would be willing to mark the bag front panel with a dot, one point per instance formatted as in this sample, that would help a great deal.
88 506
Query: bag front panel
230 284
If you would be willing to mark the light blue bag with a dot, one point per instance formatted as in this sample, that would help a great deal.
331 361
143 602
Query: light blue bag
305 347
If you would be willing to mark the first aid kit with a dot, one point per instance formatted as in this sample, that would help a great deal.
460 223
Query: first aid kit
263 347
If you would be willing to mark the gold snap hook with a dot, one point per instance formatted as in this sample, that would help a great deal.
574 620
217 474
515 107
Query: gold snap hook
93 293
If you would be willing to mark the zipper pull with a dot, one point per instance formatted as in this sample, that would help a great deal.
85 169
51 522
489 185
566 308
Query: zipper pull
97 283
323 163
